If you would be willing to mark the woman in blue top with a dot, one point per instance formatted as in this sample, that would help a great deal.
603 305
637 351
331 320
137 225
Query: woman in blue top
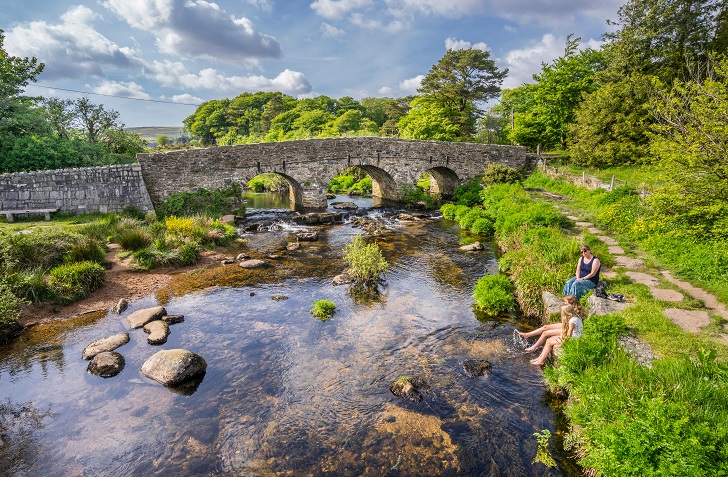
587 274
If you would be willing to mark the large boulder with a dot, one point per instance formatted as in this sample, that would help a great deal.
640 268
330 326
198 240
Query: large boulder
106 364
110 343
605 306
173 366
158 331
141 317
551 304
344 205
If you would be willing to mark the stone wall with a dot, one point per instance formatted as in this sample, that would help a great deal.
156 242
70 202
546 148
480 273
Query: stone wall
82 190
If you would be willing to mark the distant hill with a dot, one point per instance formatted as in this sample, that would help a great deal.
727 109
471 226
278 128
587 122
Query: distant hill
151 133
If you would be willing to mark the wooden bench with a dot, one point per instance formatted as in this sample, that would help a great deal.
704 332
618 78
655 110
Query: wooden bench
10 214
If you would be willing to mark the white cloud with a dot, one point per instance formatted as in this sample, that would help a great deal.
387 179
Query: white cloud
453 44
330 31
386 91
524 63
70 49
553 13
338 9
121 88
197 28
446 8
410 85
187 99
265 5
176 75
392 27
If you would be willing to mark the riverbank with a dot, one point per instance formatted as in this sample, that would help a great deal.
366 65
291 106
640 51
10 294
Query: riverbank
122 280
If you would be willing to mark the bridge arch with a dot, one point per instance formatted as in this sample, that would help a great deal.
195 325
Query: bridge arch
443 181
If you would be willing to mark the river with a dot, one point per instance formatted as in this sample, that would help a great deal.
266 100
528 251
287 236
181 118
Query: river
286 394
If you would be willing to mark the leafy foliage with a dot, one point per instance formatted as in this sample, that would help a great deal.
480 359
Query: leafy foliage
493 294
497 173
323 309
366 263
215 203
460 81
9 306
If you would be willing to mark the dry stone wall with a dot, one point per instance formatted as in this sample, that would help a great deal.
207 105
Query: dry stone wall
82 190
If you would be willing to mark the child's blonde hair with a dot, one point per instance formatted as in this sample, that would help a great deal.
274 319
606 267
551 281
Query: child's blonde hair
573 308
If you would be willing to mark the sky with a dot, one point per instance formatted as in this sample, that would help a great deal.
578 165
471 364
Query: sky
171 55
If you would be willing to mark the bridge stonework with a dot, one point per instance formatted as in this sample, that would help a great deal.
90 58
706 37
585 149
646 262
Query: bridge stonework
309 165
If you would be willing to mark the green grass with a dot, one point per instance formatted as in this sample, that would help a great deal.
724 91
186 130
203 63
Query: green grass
323 309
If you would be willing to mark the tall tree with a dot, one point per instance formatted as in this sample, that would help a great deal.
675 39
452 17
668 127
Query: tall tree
544 110
94 120
460 82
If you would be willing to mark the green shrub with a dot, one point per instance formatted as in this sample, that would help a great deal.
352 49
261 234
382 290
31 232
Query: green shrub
483 226
461 210
213 203
85 248
467 220
469 194
323 309
155 256
497 173
448 211
9 306
493 294
364 186
29 285
75 281
134 239
366 263
414 195
189 253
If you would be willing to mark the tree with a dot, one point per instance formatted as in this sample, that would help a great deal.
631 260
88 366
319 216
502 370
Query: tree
18 114
459 82
60 116
428 120
692 146
94 120
612 123
162 140
544 110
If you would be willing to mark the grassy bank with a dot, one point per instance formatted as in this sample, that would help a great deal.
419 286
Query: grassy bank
64 261
626 418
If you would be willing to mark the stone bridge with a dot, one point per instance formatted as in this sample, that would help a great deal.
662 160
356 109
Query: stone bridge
309 165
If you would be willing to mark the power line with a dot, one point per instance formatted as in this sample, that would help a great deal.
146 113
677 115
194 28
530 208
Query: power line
112 96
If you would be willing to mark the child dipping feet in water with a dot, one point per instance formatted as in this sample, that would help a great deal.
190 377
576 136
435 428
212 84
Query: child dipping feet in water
555 334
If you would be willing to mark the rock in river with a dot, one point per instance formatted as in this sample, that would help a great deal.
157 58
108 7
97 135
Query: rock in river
158 331
252 263
409 388
106 364
473 247
173 366
141 317
476 367
109 343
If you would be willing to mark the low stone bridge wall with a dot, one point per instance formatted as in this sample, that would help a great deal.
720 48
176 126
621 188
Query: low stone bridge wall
309 165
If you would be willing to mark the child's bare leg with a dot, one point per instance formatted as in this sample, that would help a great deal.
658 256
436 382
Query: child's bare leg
550 344
544 336
538 331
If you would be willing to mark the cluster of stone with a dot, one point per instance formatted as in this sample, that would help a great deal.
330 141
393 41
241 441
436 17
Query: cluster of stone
168 367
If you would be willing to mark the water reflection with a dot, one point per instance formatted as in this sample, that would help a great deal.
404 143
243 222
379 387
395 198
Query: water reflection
286 394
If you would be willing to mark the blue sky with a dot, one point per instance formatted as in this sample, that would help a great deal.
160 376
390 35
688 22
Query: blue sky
173 54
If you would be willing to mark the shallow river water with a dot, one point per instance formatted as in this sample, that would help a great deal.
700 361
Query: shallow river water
286 394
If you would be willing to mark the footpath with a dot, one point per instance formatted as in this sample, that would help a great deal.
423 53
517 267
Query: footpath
663 286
